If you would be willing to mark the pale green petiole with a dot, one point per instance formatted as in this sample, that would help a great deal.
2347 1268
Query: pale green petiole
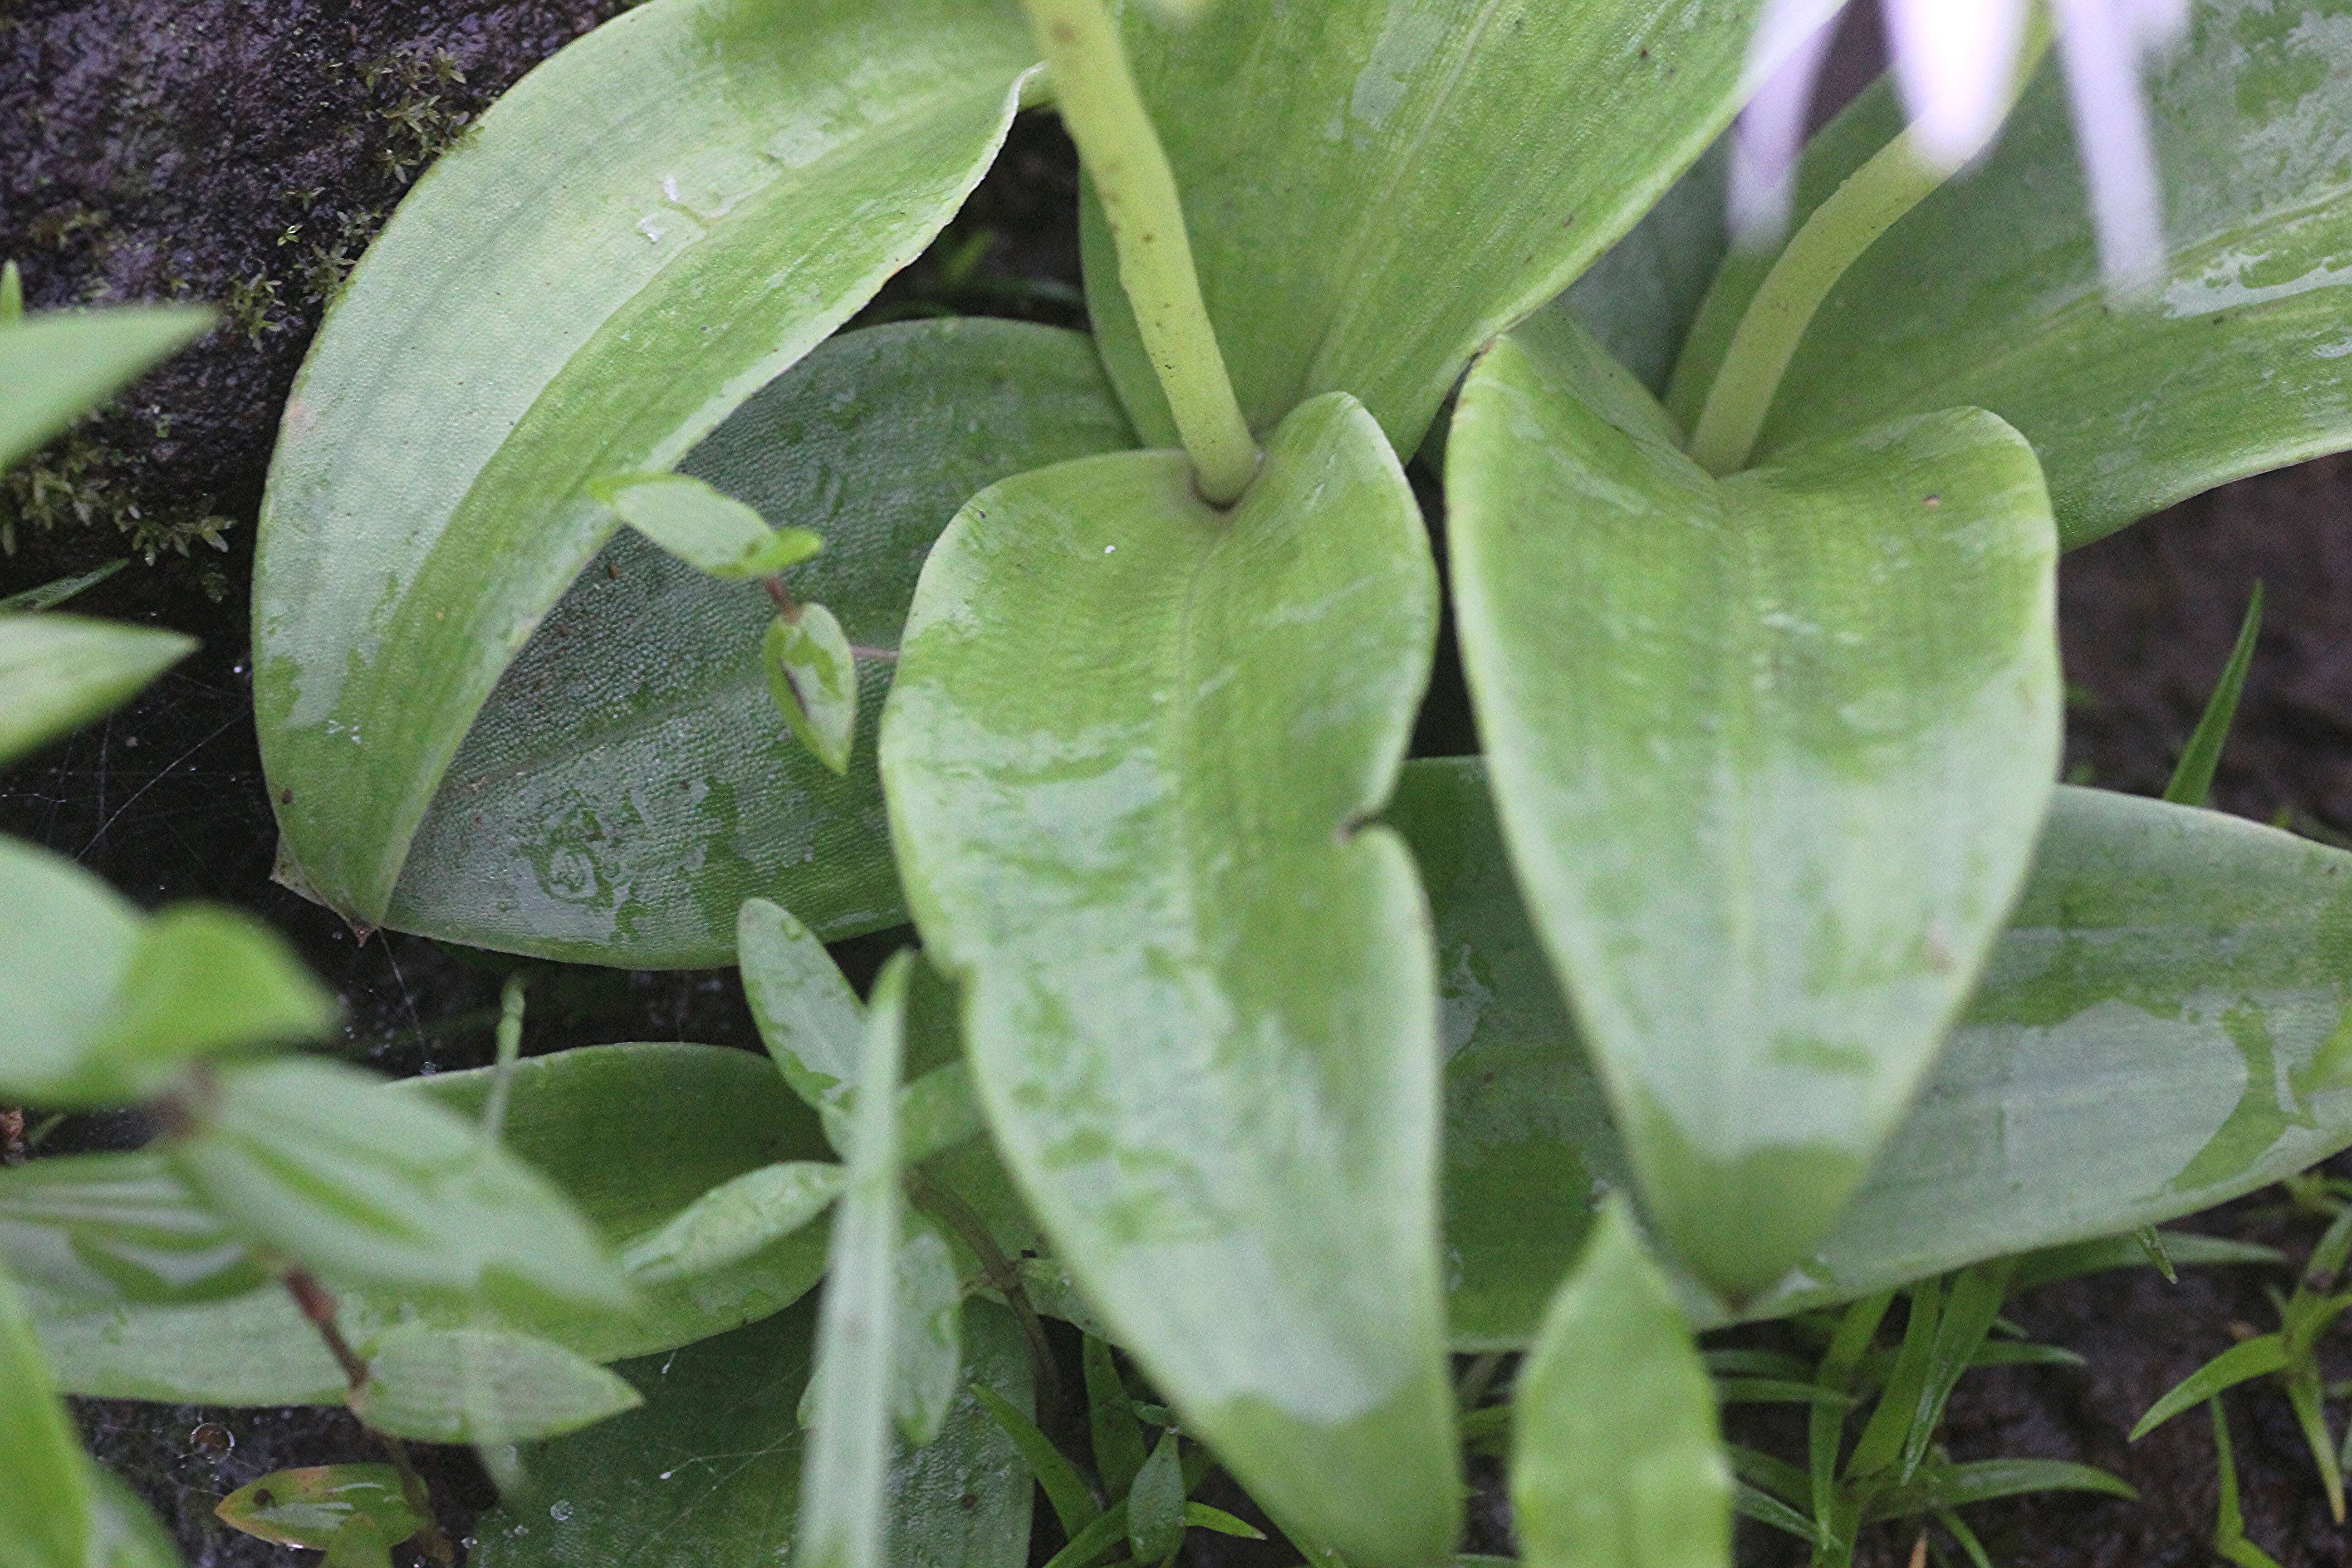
1123 157
1870 202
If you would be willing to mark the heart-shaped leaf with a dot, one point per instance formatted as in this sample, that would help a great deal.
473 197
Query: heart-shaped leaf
813 678
45 1500
710 1467
1616 1458
628 785
1127 755
59 672
2160 1029
482 1386
1990 293
640 235
697 1117
1771 754
1445 166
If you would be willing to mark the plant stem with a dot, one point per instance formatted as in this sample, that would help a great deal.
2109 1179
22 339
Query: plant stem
318 1306
951 1211
1893 183
1123 156
1867 204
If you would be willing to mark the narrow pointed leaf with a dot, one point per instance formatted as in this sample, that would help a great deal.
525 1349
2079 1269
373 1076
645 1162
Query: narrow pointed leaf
1201 1516
1390 124
1155 1505
1982 1481
927 1341
1774 785
2187 1249
640 235
2240 1363
709 1470
1110 1420
386 1189
307 1507
844 1484
45 1501
734 1221
627 786
2161 1029
711 532
49 595
1974 1301
1616 1459
482 1386
813 679
2192 780
59 365
125 1228
1198 997
812 1021
2232 368
59 672
92 1236
1073 1502
1765 1509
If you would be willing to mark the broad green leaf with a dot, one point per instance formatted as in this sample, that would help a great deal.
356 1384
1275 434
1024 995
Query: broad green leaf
482 1386
1989 293
1197 993
2161 1029
711 532
101 1006
58 366
734 1221
59 672
1155 1506
811 1022
388 1190
628 787
1616 1460
1773 786
844 1484
1639 300
1445 167
812 681
308 1507
121 1227
257 1350
45 1487
640 235
927 1337
707 1472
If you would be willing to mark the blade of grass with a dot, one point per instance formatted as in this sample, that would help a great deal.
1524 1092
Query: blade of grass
1073 1502
1110 1418
1907 1386
2229 1528
1968 1316
2235 1365
2192 780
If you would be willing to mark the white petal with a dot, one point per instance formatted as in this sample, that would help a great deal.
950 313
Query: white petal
1771 130
2159 24
1956 61
2111 132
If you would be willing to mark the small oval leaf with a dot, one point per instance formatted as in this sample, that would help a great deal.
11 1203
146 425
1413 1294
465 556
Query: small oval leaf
482 1386
309 1506
713 533
734 1221
59 672
813 676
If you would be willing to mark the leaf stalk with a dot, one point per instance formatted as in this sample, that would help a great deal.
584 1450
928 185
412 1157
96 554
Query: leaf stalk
1122 155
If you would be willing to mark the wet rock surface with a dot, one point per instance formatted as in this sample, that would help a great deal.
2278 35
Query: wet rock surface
242 152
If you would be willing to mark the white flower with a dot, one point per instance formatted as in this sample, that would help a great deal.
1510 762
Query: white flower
1956 62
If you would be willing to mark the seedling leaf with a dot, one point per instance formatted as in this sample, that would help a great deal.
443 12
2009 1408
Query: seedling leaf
2240 1363
715 534
1073 1502
1155 1505
2193 779
813 676
308 1507
59 672
734 1221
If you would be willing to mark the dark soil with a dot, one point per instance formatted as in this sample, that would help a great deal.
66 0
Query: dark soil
243 151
